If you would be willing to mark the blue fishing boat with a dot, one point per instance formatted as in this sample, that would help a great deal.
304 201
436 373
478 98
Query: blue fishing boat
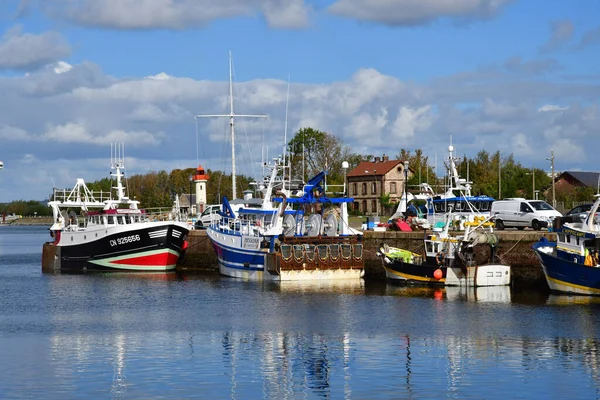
288 238
571 263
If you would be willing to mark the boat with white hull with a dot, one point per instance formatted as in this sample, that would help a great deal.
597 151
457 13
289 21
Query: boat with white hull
93 231
449 260
430 209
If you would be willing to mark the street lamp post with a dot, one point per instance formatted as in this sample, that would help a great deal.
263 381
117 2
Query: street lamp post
345 166
532 173
533 181
551 159
191 179
405 183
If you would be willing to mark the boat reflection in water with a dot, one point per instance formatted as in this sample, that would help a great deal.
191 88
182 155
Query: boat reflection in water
282 365
566 300
496 294
124 275
347 286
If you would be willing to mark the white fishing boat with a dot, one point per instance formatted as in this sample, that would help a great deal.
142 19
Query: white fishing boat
94 231
449 260
425 209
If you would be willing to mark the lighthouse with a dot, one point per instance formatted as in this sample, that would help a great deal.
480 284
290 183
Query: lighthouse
200 180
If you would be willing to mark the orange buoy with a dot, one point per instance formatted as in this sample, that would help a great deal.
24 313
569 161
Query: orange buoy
437 274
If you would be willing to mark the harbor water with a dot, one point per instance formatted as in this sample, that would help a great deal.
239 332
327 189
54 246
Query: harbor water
181 336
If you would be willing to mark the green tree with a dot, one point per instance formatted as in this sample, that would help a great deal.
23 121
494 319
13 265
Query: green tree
318 151
418 164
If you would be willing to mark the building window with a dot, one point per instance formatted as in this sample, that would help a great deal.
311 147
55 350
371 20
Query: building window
354 190
374 206
393 187
364 188
374 188
364 206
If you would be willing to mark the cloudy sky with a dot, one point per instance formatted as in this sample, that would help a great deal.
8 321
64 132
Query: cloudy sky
518 76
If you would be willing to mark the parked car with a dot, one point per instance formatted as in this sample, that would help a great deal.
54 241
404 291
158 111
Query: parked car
581 212
521 213
209 215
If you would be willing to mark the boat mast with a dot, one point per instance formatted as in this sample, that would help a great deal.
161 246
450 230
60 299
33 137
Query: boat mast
285 161
231 117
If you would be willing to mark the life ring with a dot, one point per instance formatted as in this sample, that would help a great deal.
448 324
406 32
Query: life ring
439 257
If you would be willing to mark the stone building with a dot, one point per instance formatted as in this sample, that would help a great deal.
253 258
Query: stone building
371 179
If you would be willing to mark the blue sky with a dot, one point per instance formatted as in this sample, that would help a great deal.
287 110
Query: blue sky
521 77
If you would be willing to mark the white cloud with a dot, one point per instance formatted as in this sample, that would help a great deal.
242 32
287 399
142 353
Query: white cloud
160 77
74 133
61 67
551 108
411 120
569 151
368 127
27 51
415 12
180 14
14 134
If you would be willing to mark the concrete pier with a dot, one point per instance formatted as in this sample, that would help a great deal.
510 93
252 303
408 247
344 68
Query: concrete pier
514 249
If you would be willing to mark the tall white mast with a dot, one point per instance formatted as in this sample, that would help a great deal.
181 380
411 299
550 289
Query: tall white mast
231 116
285 161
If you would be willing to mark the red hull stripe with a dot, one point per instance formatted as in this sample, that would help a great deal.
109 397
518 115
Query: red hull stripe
164 258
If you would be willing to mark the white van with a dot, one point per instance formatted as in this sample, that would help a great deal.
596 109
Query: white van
521 213
210 214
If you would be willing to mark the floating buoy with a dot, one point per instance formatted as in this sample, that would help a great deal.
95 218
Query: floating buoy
437 274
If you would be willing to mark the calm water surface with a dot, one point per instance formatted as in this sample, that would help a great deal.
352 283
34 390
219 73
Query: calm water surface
170 336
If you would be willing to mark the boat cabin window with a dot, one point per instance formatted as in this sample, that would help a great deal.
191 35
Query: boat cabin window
561 237
485 206
439 207
111 220
460 205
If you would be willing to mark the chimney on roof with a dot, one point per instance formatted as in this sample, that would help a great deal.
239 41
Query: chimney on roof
385 158
376 159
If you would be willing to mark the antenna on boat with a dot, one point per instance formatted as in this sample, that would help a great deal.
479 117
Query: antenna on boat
117 162
231 117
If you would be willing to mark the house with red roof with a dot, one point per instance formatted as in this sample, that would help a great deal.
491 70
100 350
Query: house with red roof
372 179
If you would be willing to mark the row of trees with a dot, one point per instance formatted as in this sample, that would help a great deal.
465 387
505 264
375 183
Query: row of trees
311 150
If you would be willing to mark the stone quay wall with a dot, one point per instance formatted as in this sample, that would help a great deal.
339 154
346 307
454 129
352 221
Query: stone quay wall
513 249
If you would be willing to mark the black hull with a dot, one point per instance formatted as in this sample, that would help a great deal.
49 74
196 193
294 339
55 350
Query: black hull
423 274
157 247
